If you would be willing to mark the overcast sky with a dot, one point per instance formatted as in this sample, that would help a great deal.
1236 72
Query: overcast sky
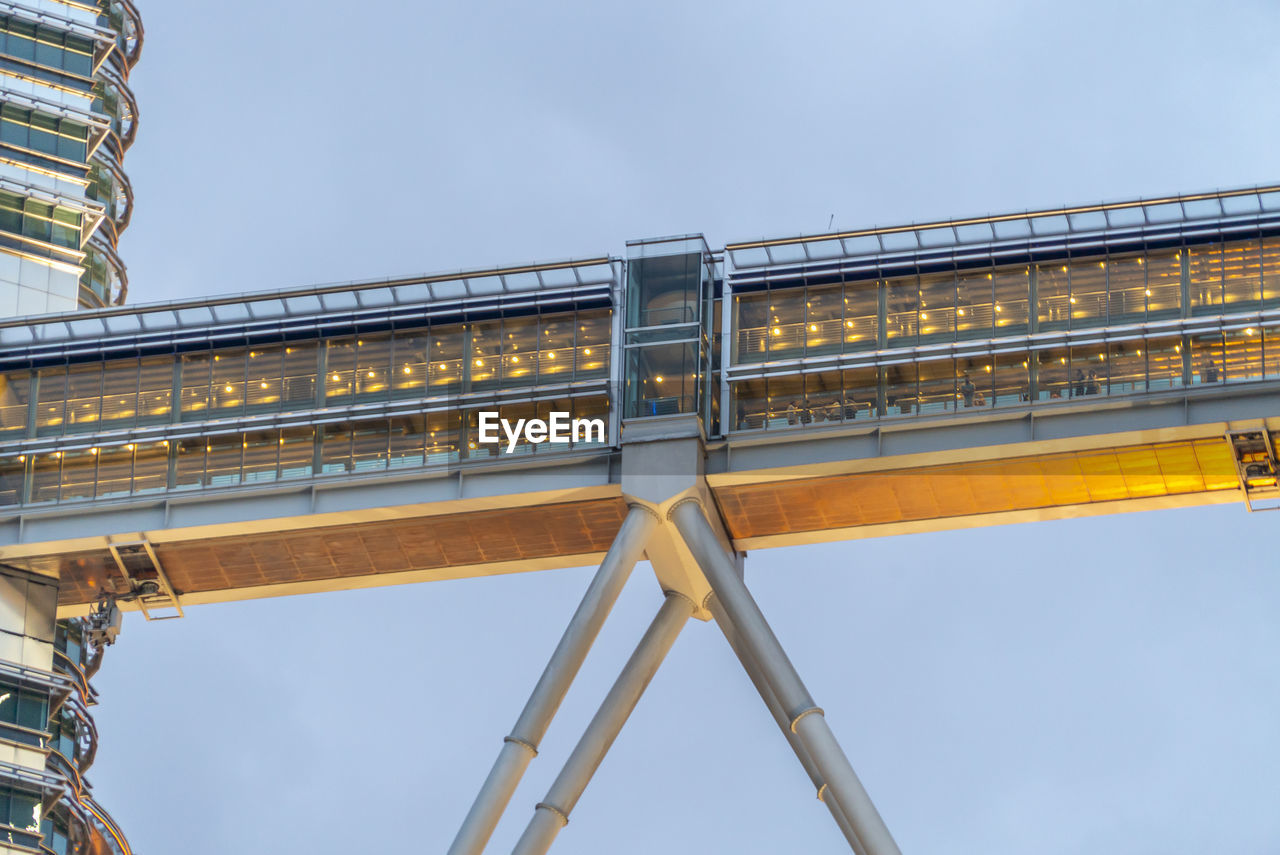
1099 685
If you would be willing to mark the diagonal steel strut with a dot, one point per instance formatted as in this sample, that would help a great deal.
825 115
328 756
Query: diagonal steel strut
552 814
805 719
521 746
770 699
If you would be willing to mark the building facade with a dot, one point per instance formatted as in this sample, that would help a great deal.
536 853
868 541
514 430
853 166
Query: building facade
67 117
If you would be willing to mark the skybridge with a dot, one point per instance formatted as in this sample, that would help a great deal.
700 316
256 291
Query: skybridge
970 372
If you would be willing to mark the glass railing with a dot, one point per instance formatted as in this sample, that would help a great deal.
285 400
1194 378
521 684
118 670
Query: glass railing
429 439
225 383
818 315
1011 377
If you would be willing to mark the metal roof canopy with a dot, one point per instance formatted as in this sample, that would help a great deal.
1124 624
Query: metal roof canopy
993 235
95 330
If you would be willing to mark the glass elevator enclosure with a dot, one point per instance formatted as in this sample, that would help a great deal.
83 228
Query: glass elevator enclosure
668 330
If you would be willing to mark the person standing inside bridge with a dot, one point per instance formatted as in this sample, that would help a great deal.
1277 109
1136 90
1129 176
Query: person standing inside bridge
1210 372
967 389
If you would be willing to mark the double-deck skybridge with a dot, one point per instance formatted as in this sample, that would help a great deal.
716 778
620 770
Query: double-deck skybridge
1083 360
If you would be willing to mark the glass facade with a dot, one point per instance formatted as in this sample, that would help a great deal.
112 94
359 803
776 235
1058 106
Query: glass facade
888 330
669 328
67 117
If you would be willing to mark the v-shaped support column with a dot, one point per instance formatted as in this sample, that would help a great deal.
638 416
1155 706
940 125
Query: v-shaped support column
521 746
804 718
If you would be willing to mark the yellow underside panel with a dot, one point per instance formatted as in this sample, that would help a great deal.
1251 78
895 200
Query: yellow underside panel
965 489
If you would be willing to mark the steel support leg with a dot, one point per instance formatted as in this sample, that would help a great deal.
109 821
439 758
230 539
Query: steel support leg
521 746
552 814
780 716
805 718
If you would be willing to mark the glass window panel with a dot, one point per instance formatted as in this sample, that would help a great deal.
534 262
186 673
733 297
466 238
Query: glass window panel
901 314
470 448
12 471
1053 297
223 458
1127 367
335 449
861 315
860 390
373 367
443 436
1242 355
33 710
1271 352
1164 284
51 406
486 355
823 397
445 374
46 475
340 370
937 307
1012 295
751 405
9 704
1053 374
975 304
227 390
1088 370
511 412
900 389
119 393
786 401
47 54
786 323
973 379
298 382
1206 359
407 441
1205 276
409 363
555 349
938 385
297 452
15 398
155 390
752 323
1010 381
824 308
1127 289
196 371
261 453
593 344
24 810
1164 363
151 467
115 471
84 397
263 379
1241 276
592 407
79 469
1270 264
189 463
1088 298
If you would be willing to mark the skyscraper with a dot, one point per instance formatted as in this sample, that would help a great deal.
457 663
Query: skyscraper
67 118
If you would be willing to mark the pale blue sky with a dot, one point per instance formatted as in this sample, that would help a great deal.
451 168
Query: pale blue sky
1102 685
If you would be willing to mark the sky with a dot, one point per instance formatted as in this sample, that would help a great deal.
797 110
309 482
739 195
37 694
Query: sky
1107 684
